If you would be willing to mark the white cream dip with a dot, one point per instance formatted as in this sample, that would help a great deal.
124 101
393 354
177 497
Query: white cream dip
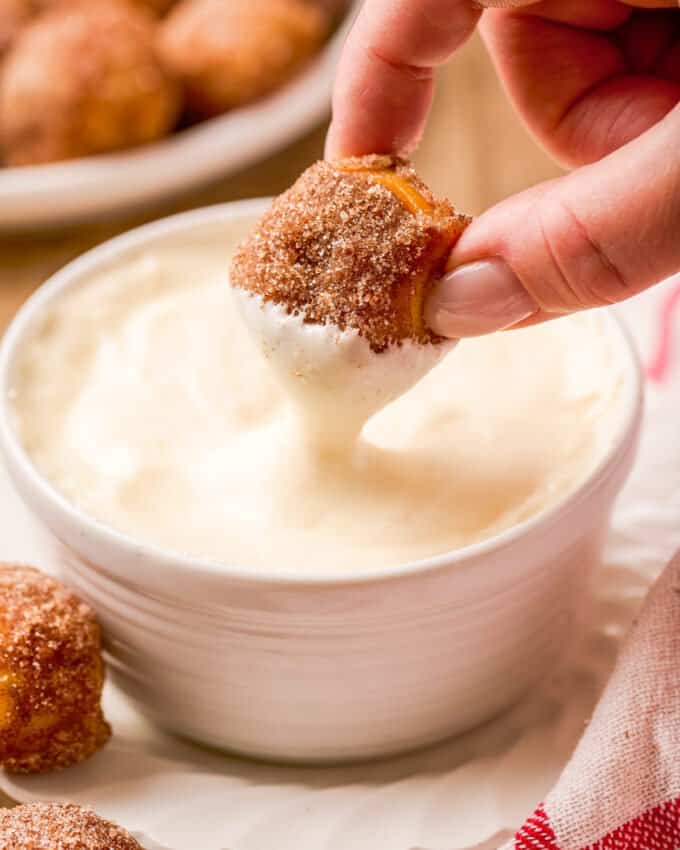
335 382
145 400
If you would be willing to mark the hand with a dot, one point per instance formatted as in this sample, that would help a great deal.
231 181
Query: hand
598 83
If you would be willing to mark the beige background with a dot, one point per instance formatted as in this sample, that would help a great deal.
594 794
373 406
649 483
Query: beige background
475 151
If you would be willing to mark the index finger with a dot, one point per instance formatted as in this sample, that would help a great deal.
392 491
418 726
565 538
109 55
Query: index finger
384 83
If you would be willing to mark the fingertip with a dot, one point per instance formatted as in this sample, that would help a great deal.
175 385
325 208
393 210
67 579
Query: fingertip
478 298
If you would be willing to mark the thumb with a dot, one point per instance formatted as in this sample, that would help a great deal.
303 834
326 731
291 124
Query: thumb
595 237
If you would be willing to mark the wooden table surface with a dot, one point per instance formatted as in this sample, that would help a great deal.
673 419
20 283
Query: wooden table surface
475 151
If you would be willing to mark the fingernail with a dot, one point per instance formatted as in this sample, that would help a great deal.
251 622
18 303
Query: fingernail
478 298
328 144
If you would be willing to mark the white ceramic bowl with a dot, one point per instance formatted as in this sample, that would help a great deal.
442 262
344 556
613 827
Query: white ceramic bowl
282 666
68 192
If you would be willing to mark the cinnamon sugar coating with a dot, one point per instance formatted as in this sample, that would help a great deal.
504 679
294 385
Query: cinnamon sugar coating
355 243
51 675
56 826
230 52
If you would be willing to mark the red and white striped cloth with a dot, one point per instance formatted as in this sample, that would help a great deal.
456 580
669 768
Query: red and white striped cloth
621 789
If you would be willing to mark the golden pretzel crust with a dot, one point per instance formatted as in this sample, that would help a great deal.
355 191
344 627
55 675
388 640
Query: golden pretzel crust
356 243
51 675
38 826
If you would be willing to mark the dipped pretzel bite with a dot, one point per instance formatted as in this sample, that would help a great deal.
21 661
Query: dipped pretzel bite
355 243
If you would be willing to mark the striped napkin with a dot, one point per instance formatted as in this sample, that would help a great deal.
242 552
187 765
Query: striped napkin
621 789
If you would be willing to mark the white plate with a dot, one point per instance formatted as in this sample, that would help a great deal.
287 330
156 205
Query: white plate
69 192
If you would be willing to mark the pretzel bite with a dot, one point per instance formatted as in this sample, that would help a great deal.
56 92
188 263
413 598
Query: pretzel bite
230 52
355 243
51 675
39 826
84 78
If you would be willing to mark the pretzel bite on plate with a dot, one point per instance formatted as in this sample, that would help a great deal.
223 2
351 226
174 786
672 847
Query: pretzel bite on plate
58 826
230 52
51 675
81 79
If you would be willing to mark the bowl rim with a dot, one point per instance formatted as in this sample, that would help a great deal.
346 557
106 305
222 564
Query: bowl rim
76 272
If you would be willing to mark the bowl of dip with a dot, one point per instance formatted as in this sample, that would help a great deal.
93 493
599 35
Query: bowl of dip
290 605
